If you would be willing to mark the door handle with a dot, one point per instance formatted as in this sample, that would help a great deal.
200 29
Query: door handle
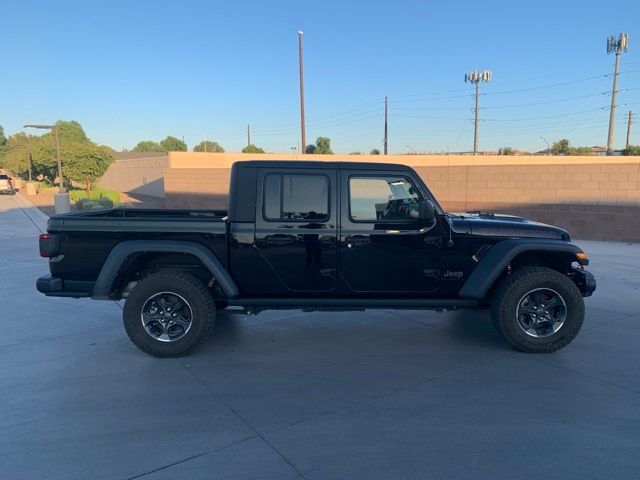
356 240
280 239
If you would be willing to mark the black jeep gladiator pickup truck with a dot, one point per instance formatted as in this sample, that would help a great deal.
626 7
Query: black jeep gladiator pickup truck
319 236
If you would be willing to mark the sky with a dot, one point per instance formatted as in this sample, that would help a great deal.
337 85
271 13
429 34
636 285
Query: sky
142 70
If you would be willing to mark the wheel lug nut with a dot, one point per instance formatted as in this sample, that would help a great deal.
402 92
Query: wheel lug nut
175 314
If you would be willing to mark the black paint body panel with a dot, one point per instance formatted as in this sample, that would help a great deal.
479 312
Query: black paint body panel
454 256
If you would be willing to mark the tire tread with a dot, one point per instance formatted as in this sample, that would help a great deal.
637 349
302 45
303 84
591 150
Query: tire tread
171 278
511 285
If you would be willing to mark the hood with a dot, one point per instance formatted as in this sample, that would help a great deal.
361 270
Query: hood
500 225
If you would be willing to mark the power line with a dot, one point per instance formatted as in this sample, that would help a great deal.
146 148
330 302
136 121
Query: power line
509 106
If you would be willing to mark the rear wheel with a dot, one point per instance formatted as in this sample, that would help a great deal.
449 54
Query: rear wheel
169 314
537 309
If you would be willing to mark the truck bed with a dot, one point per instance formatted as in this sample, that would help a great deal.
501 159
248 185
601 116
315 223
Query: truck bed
86 238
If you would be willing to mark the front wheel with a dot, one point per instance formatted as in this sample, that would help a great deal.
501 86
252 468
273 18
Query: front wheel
169 314
537 309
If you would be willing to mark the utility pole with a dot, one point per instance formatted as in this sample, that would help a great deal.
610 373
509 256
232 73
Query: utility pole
248 135
386 117
615 45
629 120
62 203
475 121
476 78
30 162
302 130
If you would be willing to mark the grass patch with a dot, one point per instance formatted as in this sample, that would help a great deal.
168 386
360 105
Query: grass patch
96 193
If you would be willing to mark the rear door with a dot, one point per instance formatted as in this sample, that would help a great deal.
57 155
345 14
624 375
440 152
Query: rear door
296 227
384 246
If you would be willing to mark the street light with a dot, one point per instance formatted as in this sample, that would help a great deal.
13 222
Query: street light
301 77
548 147
61 199
414 150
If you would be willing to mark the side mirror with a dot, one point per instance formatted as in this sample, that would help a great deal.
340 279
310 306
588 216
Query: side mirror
427 211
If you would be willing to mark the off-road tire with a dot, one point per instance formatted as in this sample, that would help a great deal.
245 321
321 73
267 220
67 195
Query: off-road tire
187 286
513 287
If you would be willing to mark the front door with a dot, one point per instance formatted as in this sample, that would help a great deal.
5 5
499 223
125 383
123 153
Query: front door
296 228
384 246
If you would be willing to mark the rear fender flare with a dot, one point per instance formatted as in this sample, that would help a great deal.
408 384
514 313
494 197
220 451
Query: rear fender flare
120 253
500 255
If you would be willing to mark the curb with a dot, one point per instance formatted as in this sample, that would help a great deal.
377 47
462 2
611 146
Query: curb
37 216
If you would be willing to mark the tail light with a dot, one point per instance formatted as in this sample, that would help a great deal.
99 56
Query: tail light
49 245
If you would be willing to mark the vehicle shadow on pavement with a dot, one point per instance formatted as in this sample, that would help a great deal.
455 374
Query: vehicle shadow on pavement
473 327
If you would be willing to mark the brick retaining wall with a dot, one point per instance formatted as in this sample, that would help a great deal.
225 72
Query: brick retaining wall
598 200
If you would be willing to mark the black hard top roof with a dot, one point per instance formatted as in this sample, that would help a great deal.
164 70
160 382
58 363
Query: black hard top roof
320 164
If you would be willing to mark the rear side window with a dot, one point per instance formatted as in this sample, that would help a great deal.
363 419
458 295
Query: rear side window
296 197
4 177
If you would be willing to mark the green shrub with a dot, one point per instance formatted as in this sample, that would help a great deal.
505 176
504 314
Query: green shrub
81 201
97 207
89 204
105 202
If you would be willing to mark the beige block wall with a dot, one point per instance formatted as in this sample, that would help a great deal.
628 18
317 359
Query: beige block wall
593 197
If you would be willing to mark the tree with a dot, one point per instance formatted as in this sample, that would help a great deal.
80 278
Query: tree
173 144
631 150
506 151
252 149
207 146
3 145
71 131
86 162
580 151
561 147
374 151
323 146
147 146
15 157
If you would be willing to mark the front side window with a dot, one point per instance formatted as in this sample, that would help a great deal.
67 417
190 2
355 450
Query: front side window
374 199
296 197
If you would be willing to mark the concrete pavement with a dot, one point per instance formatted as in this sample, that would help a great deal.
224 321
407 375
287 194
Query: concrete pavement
379 394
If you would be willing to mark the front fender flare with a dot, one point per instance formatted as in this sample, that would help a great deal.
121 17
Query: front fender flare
498 257
119 253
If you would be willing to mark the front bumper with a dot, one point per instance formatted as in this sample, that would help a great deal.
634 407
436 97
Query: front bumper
56 287
584 280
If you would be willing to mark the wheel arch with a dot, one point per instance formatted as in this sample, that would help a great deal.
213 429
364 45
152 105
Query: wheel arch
521 251
124 253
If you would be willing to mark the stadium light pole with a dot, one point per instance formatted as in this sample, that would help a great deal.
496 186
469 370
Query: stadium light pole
476 78
62 202
615 45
